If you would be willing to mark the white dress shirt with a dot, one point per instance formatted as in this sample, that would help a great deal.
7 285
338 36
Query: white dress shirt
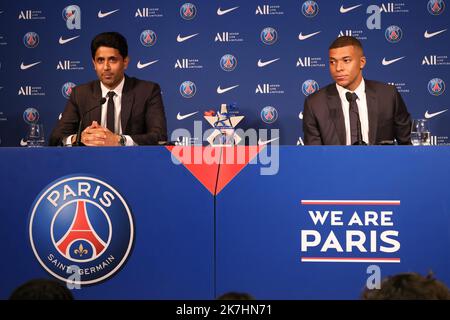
362 110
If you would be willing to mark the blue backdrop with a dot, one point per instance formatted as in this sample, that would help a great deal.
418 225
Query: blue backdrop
216 48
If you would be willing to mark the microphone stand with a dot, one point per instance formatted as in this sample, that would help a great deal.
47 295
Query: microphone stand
359 141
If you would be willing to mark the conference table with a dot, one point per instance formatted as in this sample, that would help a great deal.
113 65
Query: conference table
281 223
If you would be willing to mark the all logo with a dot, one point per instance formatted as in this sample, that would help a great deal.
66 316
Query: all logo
436 7
269 36
66 89
72 16
228 62
269 10
31 39
188 11
309 87
31 15
269 114
310 9
187 63
69 65
81 224
148 13
148 38
188 89
30 91
436 86
31 115
393 34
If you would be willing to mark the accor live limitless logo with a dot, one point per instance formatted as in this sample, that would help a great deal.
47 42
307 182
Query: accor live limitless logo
349 231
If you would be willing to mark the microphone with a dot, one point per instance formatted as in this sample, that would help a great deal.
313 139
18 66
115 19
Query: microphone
387 143
359 140
78 140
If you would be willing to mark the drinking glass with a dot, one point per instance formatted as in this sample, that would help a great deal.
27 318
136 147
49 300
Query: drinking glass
420 133
35 135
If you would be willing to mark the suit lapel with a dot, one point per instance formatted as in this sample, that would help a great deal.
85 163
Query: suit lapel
372 109
336 114
95 114
127 102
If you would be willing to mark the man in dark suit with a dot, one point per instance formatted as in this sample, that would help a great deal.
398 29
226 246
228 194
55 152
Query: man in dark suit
115 110
354 111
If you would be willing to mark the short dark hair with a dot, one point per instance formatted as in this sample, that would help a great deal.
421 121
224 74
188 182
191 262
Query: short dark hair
345 41
409 286
111 40
42 289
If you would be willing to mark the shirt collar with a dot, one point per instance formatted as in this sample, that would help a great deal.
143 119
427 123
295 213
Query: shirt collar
118 90
360 90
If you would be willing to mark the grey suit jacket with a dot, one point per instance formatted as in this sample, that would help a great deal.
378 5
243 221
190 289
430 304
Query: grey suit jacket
323 118
142 112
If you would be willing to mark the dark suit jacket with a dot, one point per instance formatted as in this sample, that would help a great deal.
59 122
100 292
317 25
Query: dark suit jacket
142 111
323 118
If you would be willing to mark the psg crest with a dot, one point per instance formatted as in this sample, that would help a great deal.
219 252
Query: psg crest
81 224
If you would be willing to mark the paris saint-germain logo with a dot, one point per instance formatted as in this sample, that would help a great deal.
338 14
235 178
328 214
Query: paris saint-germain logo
188 89
393 34
436 86
269 36
228 62
31 115
81 221
188 11
31 39
66 89
310 9
436 7
309 87
269 114
148 38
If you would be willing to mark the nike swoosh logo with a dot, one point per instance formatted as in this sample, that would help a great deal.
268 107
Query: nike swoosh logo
221 12
432 34
345 10
263 143
28 66
431 115
302 37
300 115
181 39
388 62
180 117
105 14
64 41
220 90
144 65
23 143
263 64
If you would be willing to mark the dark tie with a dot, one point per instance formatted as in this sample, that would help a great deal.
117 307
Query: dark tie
355 124
110 112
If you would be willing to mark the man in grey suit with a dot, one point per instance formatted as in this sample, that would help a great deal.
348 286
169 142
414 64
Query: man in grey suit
115 110
354 111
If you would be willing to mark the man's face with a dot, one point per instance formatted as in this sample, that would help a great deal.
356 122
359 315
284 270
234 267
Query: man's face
346 66
109 66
